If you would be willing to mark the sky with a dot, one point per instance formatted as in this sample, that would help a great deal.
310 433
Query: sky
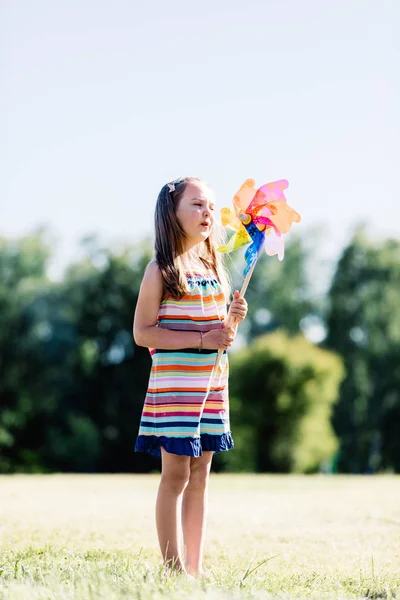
104 102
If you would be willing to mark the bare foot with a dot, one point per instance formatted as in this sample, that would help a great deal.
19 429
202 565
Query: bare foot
174 566
205 574
201 574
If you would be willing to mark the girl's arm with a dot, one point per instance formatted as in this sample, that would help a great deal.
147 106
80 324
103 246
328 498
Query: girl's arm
145 331
147 334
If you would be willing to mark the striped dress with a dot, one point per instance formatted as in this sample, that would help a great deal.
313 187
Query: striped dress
178 414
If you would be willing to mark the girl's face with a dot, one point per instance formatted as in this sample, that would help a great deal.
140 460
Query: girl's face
195 213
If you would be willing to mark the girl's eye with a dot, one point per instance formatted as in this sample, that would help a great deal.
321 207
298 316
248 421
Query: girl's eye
201 205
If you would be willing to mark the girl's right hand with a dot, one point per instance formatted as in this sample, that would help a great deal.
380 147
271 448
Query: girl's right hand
219 339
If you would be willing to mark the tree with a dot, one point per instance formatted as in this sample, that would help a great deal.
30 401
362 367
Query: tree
282 391
110 372
73 381
364 327
23 264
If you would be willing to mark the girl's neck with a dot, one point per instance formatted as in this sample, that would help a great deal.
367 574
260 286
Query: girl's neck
192 262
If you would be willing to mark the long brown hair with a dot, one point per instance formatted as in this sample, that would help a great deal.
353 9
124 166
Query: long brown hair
169 243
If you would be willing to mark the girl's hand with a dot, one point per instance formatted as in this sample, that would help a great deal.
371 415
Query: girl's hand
218 339
238 308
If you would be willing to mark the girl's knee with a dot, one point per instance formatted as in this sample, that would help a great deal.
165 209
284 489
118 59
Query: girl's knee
199 476
176 481
175 471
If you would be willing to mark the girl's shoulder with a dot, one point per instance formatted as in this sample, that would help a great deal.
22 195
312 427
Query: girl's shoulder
152 274
153 265
150 293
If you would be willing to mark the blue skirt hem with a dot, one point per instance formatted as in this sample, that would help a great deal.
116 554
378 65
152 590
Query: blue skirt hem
184 446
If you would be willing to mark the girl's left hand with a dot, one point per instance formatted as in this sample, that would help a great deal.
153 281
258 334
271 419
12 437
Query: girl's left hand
238 308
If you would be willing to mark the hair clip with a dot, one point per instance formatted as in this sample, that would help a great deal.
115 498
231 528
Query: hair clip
171 186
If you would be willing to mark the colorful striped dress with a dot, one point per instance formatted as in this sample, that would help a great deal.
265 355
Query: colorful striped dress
178 414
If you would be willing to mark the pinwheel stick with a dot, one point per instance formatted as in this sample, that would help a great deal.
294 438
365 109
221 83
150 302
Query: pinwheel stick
231 321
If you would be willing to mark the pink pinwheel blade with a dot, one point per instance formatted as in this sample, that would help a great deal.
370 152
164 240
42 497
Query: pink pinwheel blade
261 220
270 192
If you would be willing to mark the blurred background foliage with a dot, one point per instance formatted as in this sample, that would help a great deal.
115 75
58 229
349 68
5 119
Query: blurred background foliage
314 383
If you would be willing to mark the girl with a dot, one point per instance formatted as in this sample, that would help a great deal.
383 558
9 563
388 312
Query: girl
180 316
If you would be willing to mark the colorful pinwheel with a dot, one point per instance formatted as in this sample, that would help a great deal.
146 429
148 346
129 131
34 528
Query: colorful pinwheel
259 216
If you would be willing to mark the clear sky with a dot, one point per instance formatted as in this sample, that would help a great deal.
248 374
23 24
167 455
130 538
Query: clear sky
103 102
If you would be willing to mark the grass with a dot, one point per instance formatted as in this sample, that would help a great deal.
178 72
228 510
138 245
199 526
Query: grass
86 537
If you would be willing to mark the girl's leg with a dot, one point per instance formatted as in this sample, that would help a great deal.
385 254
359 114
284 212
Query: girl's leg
174 478
194 511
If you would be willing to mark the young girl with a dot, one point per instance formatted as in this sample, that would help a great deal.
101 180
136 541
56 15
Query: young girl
181 316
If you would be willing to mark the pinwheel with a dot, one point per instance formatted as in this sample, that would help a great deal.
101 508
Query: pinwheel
260 217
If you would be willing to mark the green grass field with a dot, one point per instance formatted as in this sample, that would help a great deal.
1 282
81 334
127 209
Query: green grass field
86 537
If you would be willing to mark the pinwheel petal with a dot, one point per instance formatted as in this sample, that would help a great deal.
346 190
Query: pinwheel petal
274 243
283 216
270 192
244 196
253 250
236 241
229 219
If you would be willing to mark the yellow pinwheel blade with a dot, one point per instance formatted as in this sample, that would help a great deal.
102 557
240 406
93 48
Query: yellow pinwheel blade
238 239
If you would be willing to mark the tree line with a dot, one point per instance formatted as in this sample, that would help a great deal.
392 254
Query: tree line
72 380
